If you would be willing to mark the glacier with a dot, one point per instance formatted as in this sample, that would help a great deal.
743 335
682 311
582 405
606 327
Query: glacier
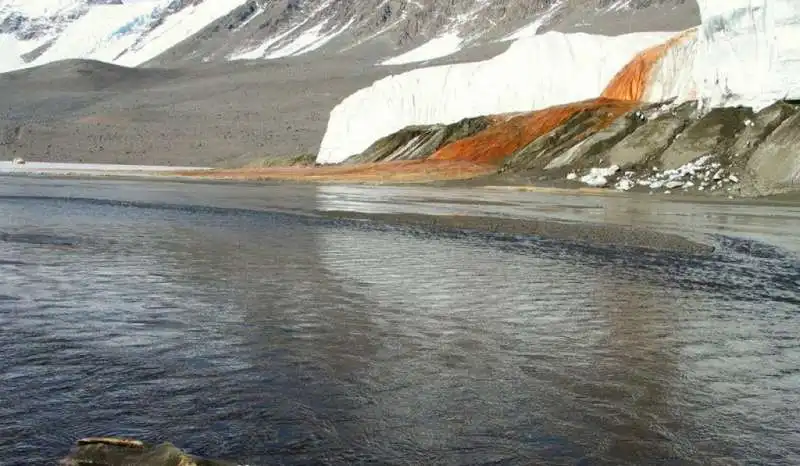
672 75
535 72
748 52
745 52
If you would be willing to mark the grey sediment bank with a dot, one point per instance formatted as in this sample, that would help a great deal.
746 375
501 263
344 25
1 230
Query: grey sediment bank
581 232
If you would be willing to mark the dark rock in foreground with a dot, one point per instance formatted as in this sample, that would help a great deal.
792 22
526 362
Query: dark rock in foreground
125 452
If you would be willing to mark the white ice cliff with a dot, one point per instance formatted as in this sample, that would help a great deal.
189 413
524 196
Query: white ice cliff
748 51
535 72
745 52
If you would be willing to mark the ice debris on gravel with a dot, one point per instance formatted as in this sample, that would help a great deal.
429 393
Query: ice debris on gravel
701 174
598 177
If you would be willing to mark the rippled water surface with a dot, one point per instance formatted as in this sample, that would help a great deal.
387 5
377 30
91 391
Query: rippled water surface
273 338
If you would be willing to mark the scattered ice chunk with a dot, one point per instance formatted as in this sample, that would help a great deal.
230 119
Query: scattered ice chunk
625 185
572 176
701 175
702 160
598 177
595 181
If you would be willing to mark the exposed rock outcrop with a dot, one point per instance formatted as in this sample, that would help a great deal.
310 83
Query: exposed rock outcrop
419 142
583 122
649 140
774 167
714 133
600 142
729 151
498 142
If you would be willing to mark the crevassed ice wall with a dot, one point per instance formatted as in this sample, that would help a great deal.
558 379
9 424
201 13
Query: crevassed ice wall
536 72
748 52
672 75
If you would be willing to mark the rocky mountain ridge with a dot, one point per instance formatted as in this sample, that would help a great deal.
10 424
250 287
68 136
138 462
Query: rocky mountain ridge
171 32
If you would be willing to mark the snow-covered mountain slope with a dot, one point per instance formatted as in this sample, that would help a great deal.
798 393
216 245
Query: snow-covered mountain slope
36 32
544 70
166 32
411 31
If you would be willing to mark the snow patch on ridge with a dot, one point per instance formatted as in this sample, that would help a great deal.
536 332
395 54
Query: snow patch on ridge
438 47
96 34
310 40
525 31
536 72
9 54
175 28
533 28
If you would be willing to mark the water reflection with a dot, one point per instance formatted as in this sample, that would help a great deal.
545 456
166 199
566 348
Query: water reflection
582 352
272 338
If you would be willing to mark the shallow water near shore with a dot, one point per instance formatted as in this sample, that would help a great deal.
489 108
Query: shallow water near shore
231 321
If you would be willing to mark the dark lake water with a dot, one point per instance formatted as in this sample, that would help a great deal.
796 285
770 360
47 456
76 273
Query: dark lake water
271 338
